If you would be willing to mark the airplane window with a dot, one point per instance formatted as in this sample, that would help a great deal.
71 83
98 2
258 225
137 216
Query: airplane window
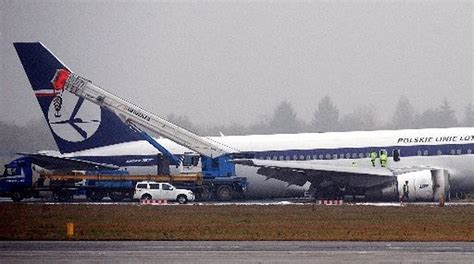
418 153
348 155
425 153
459 152
469 151
328 156
453 152
361 155
321 156
439 152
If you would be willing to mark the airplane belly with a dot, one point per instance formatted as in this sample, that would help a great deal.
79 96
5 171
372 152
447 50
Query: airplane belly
261 187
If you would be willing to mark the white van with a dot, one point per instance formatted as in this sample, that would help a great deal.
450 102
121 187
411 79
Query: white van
161 191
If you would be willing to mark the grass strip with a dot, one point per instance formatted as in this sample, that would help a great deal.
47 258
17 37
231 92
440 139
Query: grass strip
236 222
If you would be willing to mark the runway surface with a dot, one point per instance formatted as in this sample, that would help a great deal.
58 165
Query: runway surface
235 252
263 202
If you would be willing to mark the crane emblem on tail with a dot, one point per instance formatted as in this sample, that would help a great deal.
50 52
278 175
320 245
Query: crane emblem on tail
78 120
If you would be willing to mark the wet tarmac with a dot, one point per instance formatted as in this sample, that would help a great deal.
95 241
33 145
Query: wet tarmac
235 252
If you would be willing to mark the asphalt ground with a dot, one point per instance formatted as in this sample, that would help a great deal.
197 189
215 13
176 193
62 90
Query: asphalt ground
282 201
235 252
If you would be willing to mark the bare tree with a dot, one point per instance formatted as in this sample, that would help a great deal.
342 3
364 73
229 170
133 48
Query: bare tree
361 119
447 116
326 116
404 115
284 119
468 120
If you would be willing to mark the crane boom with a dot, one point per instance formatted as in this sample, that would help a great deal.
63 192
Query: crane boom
128 112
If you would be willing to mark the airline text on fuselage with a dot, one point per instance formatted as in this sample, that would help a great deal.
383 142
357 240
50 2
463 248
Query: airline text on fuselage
407 140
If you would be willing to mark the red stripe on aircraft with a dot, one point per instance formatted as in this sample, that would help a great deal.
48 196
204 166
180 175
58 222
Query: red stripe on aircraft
45 94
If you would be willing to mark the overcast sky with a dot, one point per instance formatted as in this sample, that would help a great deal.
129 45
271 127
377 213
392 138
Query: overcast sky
220 62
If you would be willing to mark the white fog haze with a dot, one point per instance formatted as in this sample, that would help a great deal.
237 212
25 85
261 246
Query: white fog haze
241 67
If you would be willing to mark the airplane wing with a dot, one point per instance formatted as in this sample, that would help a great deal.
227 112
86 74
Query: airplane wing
65 164
300 172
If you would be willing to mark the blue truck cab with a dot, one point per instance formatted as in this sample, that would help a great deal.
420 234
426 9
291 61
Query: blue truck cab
16 179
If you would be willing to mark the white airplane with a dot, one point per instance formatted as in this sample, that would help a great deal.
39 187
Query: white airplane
430 162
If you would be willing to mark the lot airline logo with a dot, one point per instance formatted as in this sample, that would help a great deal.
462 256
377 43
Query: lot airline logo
75 120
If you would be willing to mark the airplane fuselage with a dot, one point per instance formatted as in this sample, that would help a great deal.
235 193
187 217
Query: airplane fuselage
447 148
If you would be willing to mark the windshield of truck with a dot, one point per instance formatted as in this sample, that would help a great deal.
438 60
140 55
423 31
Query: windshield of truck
191 160
10 171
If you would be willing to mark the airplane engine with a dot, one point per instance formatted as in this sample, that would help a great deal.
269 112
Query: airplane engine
427 185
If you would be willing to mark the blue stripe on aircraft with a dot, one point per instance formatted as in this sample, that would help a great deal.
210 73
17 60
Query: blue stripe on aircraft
405 151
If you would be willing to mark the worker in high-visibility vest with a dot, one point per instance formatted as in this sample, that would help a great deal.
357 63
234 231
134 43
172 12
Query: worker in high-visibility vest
383 158
373 157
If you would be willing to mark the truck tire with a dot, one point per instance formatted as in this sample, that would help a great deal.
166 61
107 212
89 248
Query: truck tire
224 193
205 194
63 196
182 199
17 196
116 196
95 196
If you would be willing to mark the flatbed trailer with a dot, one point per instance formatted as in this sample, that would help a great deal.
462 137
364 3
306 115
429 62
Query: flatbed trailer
19 182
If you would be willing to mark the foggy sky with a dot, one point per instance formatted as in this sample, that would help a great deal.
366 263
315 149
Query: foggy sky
224 62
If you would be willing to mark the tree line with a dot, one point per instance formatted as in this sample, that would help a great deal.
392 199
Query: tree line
327 118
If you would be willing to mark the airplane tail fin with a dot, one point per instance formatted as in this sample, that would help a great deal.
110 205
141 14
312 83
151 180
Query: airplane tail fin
76 124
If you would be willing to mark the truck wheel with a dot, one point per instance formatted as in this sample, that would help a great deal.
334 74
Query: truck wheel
116 196
63 196
95 196
17 196
205 194
224 193
146 197
182 199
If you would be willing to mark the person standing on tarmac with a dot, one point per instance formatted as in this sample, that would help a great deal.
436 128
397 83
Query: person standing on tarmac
405 192
373 157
